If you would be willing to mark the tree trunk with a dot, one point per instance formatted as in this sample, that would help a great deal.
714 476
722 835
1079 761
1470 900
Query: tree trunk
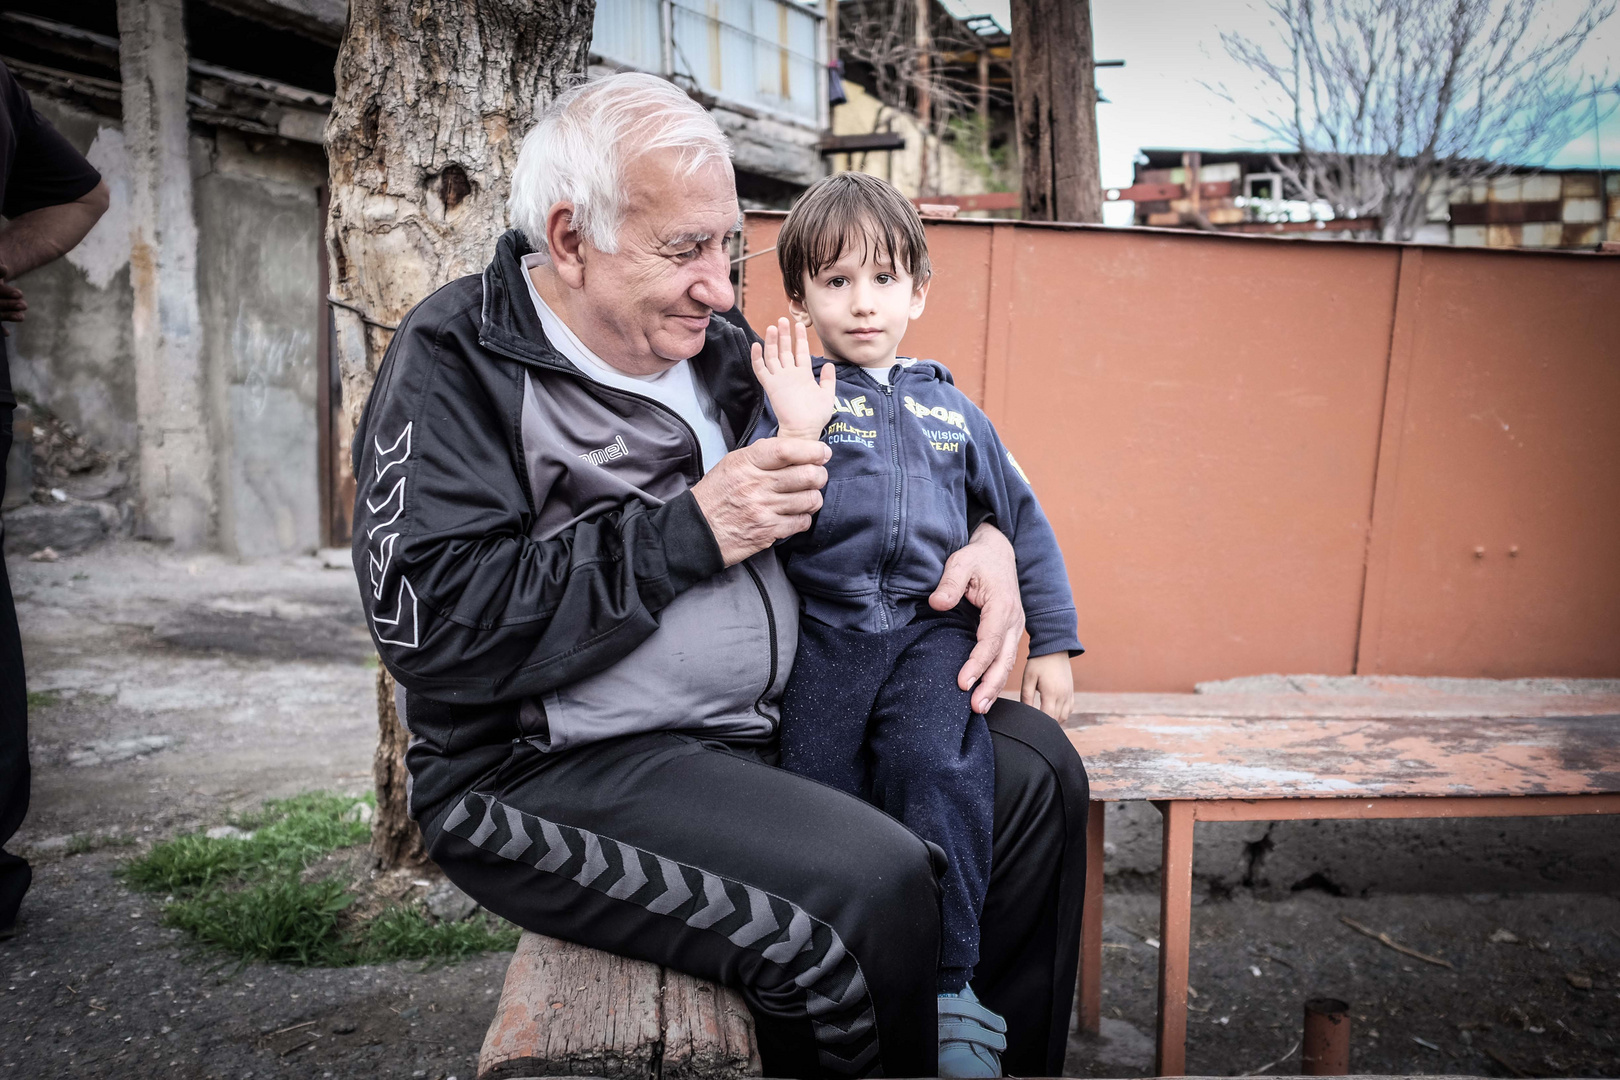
433 98
1055 106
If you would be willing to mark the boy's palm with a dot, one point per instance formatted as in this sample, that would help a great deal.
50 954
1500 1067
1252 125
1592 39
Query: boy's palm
801 403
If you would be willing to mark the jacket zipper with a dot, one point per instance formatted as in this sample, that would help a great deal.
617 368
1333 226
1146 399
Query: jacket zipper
770 623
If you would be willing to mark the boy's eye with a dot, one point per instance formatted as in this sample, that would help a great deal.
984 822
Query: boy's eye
884 279
837 282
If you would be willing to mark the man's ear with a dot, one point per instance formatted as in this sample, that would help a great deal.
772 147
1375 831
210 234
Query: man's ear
800 313
919 297
564 246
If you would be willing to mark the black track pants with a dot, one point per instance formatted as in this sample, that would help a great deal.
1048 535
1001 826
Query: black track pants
821 909
14 872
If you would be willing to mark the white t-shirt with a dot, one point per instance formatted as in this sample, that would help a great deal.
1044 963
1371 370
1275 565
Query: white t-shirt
676 388
881 374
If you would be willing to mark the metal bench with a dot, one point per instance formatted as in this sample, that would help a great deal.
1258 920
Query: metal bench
1277 757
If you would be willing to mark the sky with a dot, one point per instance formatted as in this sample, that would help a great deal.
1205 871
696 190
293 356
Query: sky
1172 48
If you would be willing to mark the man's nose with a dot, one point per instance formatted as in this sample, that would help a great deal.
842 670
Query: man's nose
713 287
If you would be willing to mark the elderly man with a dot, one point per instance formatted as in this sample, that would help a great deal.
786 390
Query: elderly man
568 568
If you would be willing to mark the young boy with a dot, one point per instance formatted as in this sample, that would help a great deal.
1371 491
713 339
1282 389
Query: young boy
873 706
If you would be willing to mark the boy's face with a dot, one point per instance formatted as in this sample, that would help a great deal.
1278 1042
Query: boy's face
860 307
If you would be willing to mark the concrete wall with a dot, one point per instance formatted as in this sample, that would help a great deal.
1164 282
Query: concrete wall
258 224
258 221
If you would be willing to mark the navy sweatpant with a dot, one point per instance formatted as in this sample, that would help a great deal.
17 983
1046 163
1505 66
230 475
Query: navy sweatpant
881 717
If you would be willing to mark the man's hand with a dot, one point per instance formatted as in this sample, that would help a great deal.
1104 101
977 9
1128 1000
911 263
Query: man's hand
1051 679
986 572
763 493
802 405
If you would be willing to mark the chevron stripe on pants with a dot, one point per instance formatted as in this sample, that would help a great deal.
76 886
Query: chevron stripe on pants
822 910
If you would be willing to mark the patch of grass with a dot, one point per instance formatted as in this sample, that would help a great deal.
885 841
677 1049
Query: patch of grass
244 896
407 933
282 920
43 699
287 835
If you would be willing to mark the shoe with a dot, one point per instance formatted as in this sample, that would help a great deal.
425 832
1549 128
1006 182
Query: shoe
971 1037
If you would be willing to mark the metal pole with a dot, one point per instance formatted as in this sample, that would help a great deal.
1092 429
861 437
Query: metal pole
1597 149
1327 1038
666 34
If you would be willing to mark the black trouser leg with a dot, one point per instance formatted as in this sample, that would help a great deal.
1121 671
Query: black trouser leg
822 910
1029 938
14 872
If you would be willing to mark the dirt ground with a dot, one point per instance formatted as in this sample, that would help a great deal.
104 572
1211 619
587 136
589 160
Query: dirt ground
169 692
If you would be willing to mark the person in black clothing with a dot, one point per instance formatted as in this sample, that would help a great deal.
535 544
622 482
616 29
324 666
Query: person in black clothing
50 197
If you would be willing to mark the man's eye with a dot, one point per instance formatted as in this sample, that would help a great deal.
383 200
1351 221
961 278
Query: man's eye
689 254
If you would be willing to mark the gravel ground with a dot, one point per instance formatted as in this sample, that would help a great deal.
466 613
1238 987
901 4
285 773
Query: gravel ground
178 690
1542 999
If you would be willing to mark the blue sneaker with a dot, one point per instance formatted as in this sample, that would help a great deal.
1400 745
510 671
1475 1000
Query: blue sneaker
971 1037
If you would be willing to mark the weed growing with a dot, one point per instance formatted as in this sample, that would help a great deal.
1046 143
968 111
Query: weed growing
242 894
43 699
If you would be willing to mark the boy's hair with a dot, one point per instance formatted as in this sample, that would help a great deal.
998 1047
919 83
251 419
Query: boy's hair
841 212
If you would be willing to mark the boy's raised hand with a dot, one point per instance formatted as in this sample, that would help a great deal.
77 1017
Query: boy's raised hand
801 403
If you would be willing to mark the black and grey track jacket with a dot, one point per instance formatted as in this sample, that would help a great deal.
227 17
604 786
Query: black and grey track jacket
531 560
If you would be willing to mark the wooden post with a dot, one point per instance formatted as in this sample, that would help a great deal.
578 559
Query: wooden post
1055 105
1091 924
1175 933
984 100
925 47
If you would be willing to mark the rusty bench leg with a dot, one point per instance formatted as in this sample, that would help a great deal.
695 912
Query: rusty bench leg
1175 930
1091 925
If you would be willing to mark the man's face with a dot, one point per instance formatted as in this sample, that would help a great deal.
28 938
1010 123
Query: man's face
860 307
652 299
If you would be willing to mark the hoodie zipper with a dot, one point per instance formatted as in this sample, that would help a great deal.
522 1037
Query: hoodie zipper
891 548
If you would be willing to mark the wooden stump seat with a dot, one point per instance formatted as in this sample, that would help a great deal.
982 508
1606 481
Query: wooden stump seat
571 1011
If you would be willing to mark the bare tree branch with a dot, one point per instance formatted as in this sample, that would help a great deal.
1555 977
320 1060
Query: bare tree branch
1384 101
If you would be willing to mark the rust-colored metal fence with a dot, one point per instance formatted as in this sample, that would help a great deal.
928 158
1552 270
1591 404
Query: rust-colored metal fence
1282 456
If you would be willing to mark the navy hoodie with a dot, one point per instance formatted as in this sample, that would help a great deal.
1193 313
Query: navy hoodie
906 458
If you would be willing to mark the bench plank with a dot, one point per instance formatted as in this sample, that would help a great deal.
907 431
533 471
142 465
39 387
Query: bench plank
567 1010
1161 757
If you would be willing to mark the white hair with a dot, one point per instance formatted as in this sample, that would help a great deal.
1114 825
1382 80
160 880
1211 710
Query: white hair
578 150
